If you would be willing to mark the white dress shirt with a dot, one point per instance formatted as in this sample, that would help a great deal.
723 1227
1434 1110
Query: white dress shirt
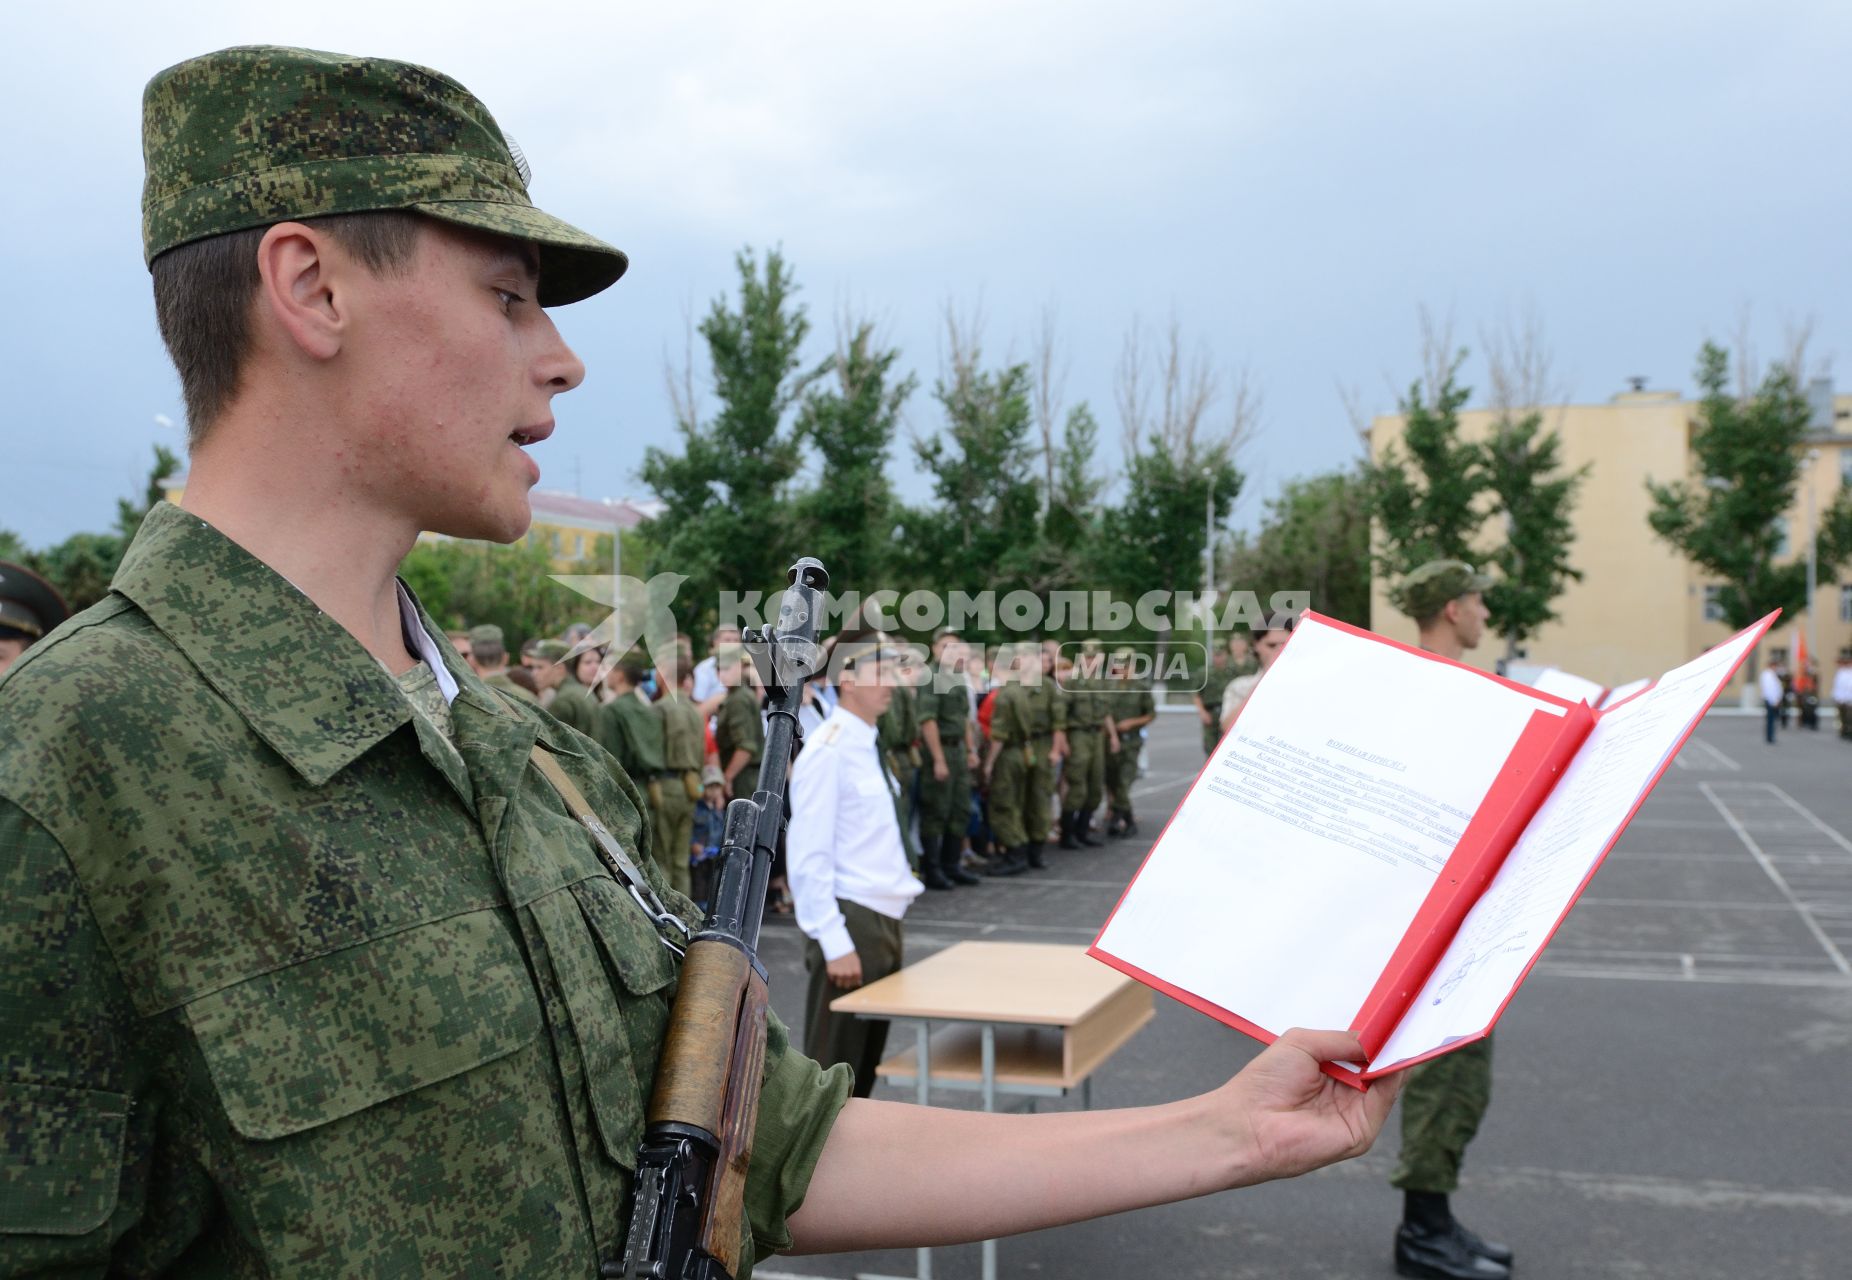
844 839
1842 685
707 679
1771 688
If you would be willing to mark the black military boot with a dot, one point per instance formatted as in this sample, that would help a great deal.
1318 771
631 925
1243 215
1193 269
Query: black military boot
1113 829
1130 826
1431 1242
1012 863
1036 861
952 862
1069 821
930 875
1083 825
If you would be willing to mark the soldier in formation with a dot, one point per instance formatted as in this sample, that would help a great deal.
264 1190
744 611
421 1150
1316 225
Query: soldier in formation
1131 707
948 732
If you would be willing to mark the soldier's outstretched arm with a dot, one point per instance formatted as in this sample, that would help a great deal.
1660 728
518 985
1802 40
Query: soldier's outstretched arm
895 1175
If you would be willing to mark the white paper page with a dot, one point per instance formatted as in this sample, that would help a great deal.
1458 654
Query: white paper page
1295 865
1574 688
1513 918
1621 692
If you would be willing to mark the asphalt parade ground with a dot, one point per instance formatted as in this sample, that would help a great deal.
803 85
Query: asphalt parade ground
1672 1089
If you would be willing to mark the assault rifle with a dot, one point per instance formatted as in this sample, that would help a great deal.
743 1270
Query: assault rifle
691 1166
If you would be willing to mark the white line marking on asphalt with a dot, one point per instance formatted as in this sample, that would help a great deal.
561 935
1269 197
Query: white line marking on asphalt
1768 866
1809 814
1721 760
1152 788
1687 965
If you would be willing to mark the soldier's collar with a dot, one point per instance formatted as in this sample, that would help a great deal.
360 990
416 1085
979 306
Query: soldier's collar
297 677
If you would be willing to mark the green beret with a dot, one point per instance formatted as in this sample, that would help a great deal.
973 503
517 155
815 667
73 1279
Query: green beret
485 635
29 605
1426 591
552 650
260 134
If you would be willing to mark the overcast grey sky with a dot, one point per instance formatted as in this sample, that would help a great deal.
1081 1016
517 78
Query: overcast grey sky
1291 182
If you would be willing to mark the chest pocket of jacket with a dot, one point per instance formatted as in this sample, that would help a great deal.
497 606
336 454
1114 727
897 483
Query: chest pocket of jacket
60 1158
613 975
373 1070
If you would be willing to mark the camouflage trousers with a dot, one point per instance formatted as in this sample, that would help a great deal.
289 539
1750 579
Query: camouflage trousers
1009 793
945 807
1086 769
1442 1105
1212 732
673 839
1122 770
1039 791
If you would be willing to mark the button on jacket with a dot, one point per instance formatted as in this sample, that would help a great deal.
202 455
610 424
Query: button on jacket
844 840
292 985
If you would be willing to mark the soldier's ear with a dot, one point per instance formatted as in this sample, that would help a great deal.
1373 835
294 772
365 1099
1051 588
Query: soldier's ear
297 278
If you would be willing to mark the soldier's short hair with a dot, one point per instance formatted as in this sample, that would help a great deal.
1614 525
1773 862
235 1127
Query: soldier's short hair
203 293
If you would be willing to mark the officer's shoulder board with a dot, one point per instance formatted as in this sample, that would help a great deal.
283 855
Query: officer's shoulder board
828 736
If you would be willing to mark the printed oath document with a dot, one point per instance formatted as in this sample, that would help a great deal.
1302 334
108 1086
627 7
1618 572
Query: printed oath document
1385 840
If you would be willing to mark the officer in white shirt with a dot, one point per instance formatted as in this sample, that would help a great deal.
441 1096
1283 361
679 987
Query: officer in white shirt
1772 694
847 865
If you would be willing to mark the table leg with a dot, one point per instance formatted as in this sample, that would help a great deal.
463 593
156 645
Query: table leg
989 1042
1086 1094
923 1093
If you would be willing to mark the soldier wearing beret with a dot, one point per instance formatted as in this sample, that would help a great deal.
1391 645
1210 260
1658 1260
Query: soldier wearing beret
29 608
1447 1098
307 967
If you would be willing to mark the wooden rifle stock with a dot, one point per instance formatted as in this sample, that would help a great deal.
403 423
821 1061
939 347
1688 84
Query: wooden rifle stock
688 1213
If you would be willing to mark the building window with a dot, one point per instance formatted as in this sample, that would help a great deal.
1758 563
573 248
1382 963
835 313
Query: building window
1845 603
1783 543
1713 603
578 544
1778 657
1845 466
554 542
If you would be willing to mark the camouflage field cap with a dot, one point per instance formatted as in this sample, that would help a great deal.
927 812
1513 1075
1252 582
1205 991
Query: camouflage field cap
486 634
1426 591
260 134
551 650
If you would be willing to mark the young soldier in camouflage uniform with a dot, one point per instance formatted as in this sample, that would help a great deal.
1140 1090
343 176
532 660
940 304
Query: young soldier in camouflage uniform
1446 1098
574 704
1048 735
739 729
899 729
945 775
684 751
1009 760
1090 738
488 654
306 968
1131 707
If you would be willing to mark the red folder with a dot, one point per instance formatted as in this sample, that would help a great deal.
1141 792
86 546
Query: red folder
1545 749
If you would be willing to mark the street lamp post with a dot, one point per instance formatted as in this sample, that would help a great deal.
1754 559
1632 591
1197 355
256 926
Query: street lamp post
1813 537
1209 537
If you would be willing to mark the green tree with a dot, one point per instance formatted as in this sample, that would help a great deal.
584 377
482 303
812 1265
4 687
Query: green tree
82 565
727 523
847 521
463 584
1747 450
983 530
1522 466
1315 537
1068 549
1153 538
1423 493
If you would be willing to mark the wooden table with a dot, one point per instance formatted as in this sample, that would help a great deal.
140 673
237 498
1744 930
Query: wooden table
1028 1019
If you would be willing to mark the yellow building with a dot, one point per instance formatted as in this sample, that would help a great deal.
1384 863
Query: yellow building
1641 607
569 525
